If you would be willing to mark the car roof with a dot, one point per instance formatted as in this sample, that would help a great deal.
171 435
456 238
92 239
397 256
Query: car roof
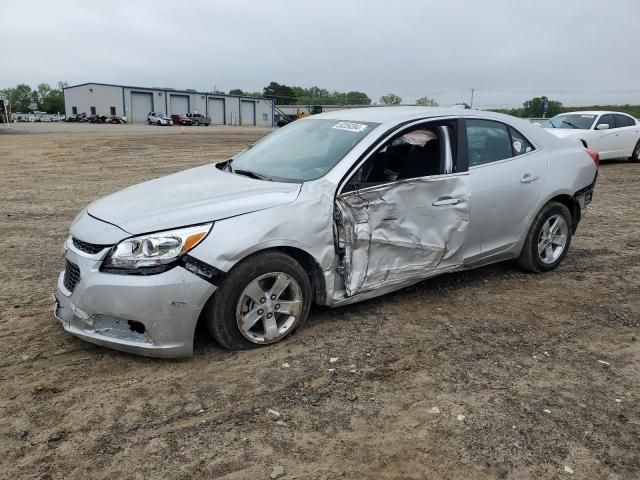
593 112
389 117
397 114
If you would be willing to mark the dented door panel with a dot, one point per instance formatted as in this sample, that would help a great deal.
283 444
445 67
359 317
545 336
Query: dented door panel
395 232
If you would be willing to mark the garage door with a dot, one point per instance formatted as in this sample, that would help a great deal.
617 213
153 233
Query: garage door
179 104
141 105
216 111
247 112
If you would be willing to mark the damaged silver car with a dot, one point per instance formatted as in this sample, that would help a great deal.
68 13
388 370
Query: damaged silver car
332 209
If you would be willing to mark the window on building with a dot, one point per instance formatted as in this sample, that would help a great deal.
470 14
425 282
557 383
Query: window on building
112 110
93 110
265 117
74 110
488 141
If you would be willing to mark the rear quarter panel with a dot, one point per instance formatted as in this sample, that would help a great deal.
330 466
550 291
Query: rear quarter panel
570 169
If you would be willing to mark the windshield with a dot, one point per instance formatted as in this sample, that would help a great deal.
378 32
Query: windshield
303 150
575 121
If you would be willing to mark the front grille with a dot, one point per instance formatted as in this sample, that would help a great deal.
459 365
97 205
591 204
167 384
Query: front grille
90 248
71 276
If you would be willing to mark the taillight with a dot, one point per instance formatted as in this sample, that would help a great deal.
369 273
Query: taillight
595 156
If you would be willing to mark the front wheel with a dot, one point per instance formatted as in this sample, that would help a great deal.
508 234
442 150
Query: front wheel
261 301
635 156
548 239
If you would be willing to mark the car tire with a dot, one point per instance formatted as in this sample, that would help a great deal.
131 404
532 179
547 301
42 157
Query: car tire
149 122
635 155
231 309
543 248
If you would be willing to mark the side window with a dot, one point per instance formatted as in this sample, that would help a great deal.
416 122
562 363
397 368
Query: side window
422 151
623 121
608 119
487 141
519 144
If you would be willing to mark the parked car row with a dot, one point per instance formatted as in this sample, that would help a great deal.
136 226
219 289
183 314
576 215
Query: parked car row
37 117
84 118
160 119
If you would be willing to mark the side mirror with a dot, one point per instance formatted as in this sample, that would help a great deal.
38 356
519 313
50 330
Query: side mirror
602 126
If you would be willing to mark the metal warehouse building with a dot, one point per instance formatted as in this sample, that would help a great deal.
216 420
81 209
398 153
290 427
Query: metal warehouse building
137 102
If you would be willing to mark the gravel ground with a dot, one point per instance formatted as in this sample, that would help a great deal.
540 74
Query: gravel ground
492 373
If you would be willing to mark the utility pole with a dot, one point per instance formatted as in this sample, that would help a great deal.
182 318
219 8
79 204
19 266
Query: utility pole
472 92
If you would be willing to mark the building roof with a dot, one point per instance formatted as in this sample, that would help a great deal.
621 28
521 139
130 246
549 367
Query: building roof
170 90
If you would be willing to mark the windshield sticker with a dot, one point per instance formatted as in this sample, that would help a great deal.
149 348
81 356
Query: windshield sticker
350 127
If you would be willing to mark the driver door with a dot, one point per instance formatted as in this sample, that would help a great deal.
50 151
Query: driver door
405 212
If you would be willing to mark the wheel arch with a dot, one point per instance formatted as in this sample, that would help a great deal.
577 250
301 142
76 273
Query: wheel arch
309 264
572 204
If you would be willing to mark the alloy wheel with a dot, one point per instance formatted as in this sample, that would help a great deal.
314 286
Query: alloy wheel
269 307
553 239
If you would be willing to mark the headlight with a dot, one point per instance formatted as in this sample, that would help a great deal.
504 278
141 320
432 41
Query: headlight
155 249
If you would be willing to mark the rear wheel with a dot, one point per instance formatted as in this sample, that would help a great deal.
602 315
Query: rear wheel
261 301
635 156
548 239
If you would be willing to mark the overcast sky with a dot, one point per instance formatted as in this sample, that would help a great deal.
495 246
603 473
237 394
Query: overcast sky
577 51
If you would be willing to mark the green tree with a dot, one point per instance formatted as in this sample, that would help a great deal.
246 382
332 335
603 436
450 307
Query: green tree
283 94
391 99
533 107
357 98
236 91
20 97
42 92
427 102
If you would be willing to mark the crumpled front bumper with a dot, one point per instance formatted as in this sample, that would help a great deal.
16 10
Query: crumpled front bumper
152 315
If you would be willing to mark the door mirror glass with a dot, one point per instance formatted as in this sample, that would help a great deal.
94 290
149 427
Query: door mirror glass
602 126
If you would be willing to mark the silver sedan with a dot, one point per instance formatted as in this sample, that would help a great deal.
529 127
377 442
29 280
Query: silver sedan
332 209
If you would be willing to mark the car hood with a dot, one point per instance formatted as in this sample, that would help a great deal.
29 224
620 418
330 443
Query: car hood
567 132
197 195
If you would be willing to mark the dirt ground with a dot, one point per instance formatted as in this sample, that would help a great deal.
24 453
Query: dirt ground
533 376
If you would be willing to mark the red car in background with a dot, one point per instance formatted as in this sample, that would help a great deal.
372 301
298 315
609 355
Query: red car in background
181 120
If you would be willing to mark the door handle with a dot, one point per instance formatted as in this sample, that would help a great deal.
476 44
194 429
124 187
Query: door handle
528 178
445 201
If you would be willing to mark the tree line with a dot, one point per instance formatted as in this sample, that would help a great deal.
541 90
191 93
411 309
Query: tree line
292 95
45 98
51 100
534 108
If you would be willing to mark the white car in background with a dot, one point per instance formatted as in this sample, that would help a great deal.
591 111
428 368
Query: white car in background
611 134
158 118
